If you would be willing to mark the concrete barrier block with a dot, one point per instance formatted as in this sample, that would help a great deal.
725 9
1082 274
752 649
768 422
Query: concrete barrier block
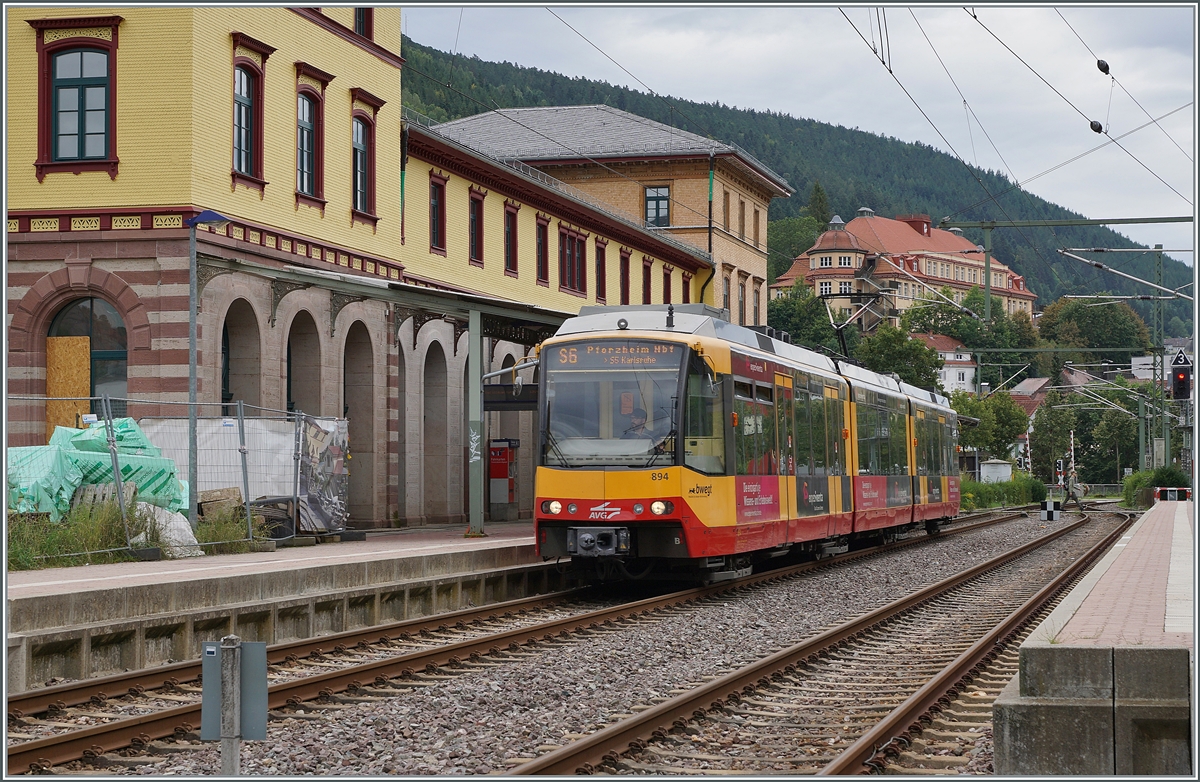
1152 738
1151 673
1061 671
1040 736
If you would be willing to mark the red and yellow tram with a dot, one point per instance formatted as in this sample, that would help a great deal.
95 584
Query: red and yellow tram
676 445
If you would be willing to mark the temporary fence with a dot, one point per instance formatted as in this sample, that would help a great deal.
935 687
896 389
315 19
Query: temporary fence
285 466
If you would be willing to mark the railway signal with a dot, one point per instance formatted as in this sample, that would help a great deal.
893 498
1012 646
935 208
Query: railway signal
1181 376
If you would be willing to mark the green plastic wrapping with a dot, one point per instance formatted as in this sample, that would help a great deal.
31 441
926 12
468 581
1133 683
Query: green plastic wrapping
43 479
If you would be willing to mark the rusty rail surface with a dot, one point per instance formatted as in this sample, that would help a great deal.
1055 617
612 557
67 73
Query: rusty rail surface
584 754
933 695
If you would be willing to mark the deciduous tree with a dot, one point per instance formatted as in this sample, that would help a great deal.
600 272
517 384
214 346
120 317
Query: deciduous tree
890 349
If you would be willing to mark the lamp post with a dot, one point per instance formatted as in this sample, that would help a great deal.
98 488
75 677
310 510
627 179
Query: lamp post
210 218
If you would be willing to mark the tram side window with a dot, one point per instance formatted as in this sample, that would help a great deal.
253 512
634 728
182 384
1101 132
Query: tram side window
817 421
833 435
950 460
935 448
803 446
921 432
704 444
746 432
899 442
866 437
783 410
768 458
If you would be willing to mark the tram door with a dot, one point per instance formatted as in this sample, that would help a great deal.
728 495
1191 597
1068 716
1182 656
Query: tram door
787 449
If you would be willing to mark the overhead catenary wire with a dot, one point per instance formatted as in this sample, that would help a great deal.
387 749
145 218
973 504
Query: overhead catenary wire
957 156
1122 86
1076 278
1043 79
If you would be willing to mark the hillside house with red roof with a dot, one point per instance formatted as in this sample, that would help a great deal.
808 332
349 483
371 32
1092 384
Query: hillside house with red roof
887 265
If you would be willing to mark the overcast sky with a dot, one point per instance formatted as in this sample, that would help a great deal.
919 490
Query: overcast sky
811 62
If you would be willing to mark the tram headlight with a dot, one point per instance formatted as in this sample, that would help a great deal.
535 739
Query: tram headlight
658 507
553 506
638 508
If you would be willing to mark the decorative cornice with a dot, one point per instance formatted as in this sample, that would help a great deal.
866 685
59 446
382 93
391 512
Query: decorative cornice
75 21
241 40
315 16
304 69
359 95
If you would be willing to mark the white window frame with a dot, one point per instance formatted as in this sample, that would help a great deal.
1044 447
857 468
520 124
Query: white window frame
826 261
825 288
845 287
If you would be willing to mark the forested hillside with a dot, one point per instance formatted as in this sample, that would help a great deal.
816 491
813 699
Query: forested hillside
853 167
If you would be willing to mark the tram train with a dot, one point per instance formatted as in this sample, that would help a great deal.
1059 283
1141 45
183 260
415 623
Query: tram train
675 445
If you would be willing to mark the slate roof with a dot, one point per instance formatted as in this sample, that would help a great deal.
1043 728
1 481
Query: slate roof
545 133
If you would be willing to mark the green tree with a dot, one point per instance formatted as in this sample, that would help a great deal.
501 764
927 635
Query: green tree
818 206
1072 323
1051 437
804 317
972 435
1009 422
890 349
931 314
1116 440
786 239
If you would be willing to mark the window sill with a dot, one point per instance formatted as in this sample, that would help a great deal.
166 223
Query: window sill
364 218
572 292
511 273
543 283
476 262
76 167
246 180
437 250
313 201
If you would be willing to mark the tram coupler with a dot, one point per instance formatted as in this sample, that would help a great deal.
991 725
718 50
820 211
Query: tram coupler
598 541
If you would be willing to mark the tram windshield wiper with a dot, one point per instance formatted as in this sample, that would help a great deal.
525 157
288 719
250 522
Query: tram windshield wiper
670 436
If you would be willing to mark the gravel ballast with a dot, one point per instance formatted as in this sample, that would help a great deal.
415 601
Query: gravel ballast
486 720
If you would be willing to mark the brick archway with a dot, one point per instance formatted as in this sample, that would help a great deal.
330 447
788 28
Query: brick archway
27 338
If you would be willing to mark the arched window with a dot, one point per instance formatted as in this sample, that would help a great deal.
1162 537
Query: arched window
243 119
306 148
362 167
81 97
100 322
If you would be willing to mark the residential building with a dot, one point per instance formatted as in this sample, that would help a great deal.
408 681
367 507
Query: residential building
958 370
339 287
659 175
889 264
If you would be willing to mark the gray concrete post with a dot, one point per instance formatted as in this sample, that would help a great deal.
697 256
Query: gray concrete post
475 421
231 706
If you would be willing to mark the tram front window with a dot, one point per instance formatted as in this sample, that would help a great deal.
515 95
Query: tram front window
611 403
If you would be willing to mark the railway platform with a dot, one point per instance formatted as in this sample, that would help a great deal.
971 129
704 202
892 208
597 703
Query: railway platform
92 620
1106 684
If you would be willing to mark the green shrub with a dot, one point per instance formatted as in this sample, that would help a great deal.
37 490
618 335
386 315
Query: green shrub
1131 484
1021 490
1170 477
82 537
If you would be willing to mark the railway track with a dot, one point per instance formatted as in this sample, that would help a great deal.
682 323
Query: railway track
89 719
856 696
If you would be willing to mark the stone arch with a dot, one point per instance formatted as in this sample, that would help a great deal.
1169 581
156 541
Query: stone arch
302 365
358 405
240 356
28 329
436 434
